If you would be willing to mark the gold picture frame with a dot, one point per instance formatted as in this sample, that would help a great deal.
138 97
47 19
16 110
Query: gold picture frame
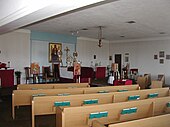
55 52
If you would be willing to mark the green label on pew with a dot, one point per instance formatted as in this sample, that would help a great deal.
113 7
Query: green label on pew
98 115
129 110
168 104
72 87
152 95
93 101
38 95
135 97
63 94
122 90
34 89
62 103
103 91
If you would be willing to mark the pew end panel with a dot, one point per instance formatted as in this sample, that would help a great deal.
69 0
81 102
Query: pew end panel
161 106
96 123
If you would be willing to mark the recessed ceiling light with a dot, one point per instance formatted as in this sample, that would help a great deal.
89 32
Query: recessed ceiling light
131 22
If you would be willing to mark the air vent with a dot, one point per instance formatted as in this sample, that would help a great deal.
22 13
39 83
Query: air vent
162 33
84 29
122 36
131 22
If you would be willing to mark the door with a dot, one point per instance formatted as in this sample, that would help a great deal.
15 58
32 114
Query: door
118 59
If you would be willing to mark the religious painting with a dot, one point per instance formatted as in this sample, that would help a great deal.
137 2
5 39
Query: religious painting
77 69
55 52
35 68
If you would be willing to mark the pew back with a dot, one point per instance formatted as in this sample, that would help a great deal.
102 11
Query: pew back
142 94
51 86
45 105
111 89
156 121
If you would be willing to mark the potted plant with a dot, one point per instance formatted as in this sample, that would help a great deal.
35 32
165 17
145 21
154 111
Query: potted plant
18 76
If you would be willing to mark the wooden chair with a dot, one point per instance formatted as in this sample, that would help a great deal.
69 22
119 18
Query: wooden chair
142 81
159 83
148 80
27 74
47 74
161 77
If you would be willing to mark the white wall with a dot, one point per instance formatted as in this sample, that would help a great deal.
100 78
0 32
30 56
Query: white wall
15 47
142 53
87 48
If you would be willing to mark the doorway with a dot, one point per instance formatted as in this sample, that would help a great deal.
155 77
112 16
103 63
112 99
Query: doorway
118 59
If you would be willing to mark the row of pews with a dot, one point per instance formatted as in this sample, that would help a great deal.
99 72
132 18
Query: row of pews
94 106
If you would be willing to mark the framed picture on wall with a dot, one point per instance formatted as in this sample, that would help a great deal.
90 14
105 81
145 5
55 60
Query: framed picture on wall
155 57
55 52
168 57
161 61
161 54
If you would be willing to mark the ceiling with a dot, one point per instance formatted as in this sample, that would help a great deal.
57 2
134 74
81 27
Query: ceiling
151 17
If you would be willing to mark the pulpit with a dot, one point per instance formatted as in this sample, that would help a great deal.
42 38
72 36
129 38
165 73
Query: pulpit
7 77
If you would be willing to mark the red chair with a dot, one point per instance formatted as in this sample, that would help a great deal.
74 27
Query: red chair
100 72
128 82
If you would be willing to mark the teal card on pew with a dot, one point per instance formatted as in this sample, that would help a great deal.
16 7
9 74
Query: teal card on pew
38 95
122 90
34 89
135 97
93 101
104 114
63 94
168 104
133 110
125 111
103 91
98 114
129 110
153 95
62 103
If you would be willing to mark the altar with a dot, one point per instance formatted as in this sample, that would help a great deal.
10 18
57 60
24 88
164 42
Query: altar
64 73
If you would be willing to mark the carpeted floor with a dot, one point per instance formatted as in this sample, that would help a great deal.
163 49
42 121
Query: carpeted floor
23 116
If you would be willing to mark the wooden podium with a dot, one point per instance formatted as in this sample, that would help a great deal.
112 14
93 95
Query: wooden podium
7 77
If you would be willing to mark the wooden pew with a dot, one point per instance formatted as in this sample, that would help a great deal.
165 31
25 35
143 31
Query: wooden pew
156 121
24 97
111 88
47 102
140 95
117 112
51 86
45 105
